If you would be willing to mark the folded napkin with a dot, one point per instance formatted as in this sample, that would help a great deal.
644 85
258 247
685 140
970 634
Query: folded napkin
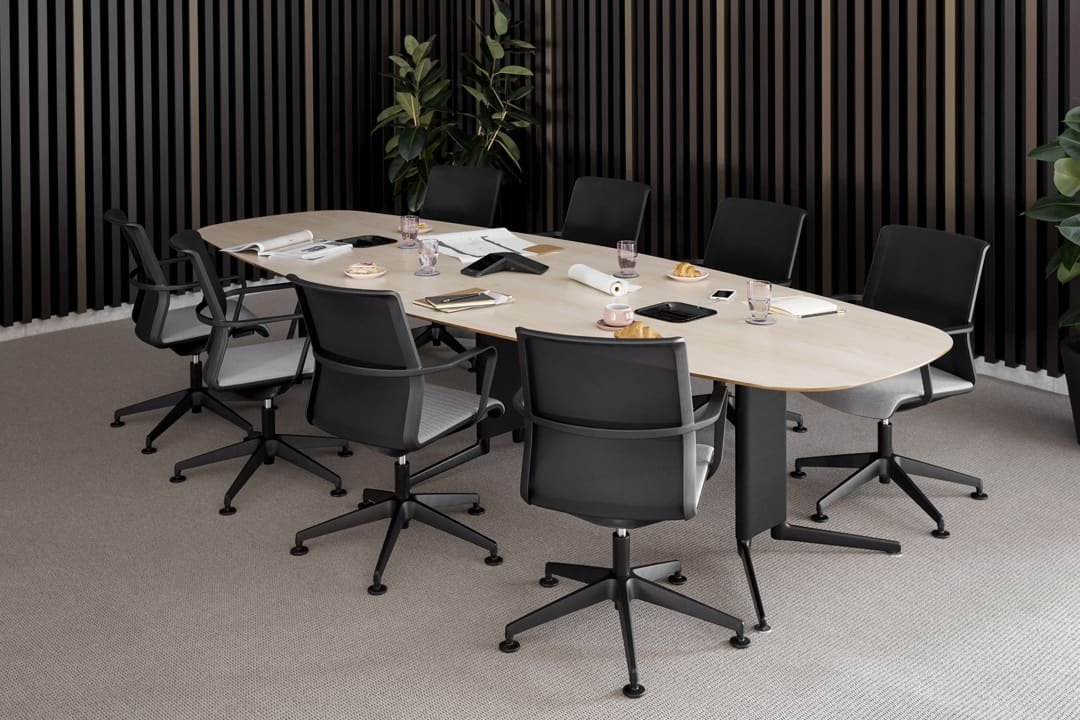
602 281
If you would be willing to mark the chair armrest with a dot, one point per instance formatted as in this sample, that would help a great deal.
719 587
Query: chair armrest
716 408
174 261
853 298
241 324
137 282
959 329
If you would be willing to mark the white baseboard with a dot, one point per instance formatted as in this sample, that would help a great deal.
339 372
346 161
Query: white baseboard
1022 376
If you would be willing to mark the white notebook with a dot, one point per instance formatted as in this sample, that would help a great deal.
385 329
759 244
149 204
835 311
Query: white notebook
802 306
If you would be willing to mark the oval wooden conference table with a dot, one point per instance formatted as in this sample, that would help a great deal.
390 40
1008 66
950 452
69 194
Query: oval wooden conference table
764 363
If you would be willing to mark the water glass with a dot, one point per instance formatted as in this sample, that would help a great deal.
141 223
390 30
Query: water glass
627 252
429 255
410 227
759 297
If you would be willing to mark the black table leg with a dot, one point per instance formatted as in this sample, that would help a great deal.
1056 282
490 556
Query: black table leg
504 385
761 485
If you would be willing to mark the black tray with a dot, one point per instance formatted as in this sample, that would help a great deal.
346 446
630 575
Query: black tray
677 312
366 241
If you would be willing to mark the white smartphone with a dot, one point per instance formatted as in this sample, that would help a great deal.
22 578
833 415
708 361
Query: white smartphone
723 295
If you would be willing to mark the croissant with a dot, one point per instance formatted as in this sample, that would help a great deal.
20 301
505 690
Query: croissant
636 330
685 269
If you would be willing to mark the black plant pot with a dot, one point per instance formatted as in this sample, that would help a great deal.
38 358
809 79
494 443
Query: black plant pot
1070 356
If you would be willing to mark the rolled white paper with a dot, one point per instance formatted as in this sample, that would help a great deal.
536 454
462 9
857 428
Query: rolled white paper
604 282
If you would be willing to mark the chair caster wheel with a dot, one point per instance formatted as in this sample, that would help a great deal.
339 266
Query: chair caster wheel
798 474
227 510
339 492
740 642
376 589
150 450
493 560
549 582
940 533
298 550
117 423
677 579
799 429
178 478
979 495
345 452
633 690
476 509
819 517
509 646
763 627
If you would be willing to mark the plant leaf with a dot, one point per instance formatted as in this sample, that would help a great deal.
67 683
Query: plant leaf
1070 230
475 93
417 193
514 70
1072 118
411 43
502 23
1049 152
400 62
494 48
411 142
410 106
1070 143
422 69
518 44
1070 318
1067 176
1054 208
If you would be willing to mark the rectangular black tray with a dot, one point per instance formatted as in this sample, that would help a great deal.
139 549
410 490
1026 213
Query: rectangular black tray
678 312
366 241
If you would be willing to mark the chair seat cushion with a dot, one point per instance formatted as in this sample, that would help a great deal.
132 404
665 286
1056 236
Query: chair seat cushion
445 408
881 399
700 386
263 363
182 324
701 470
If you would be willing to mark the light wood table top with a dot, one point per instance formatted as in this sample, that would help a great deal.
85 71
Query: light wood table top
796 355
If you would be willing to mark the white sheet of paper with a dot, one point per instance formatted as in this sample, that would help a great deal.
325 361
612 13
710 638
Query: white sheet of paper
471 245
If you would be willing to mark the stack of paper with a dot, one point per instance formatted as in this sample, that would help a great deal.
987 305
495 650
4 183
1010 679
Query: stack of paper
802 306
471 245
464 300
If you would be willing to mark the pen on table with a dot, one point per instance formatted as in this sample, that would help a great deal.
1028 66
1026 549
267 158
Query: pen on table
827 312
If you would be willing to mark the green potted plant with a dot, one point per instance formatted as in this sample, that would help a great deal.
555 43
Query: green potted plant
1063 209
417 118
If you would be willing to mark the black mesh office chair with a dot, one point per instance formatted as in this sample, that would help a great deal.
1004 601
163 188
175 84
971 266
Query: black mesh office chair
603 211
618 450
370 387
160 324
932 277
464 195
259 371
756 239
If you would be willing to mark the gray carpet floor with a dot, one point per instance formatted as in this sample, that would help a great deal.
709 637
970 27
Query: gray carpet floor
124 596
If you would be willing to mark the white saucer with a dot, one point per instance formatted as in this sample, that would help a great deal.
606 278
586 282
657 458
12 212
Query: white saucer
610 328
367 276
677 278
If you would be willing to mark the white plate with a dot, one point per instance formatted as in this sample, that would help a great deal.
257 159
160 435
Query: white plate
424 228
677 278
367 276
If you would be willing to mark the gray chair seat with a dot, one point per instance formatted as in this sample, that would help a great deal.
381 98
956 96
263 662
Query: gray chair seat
182 324
881 400
700 386
445 408
263 363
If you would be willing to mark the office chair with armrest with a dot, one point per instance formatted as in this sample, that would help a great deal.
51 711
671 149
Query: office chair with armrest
615 444
162 325
932 277
464 195
603 211
756 239
370 388
259 371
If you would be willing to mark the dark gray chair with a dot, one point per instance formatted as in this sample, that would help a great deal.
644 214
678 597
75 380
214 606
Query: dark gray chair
603 211
370 387
615 444
464 195
258 371
162 325
756 239
932 277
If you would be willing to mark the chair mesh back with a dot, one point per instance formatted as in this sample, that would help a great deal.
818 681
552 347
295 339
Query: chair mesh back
149 308
929 276
465 195
603 211
364 329
606 383
755 238
192 244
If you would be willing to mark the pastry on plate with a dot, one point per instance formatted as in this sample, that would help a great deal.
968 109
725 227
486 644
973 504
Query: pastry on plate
635 331
686 270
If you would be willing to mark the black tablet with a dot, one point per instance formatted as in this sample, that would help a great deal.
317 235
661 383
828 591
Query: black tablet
678 312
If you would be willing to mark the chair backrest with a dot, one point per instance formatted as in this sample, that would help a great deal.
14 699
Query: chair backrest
465 195
151 306
364 329
755 238
191 243
929 276
604 210
594 384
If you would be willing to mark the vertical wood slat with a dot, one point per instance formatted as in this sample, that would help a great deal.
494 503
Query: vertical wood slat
863 113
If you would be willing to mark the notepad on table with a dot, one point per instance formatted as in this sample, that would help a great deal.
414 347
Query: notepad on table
803 306
464 300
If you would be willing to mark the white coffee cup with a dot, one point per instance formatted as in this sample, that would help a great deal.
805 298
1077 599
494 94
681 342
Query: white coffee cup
618 314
